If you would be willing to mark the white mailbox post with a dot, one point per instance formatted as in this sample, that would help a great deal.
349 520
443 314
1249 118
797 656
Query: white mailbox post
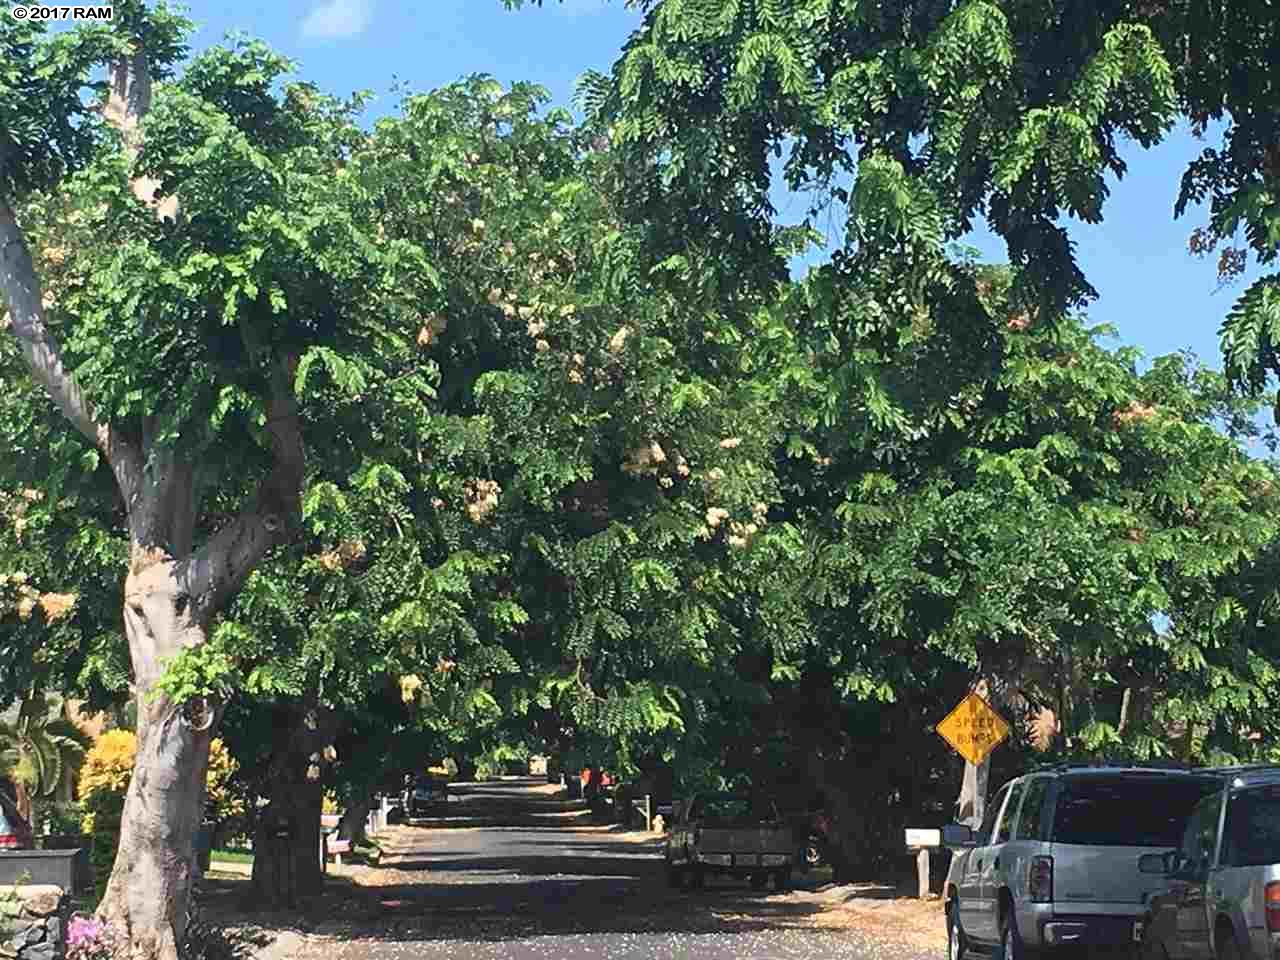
922 841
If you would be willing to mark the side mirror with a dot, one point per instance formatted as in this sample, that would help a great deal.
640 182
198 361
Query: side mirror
958 835
1154 863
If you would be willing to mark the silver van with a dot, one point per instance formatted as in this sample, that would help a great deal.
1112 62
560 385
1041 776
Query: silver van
1057 860
1223 881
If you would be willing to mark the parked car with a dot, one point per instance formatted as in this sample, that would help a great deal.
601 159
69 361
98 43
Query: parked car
1057 859
426 793
729 833
15 832
1223 896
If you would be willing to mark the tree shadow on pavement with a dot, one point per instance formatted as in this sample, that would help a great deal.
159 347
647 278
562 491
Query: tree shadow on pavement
499 885
461 899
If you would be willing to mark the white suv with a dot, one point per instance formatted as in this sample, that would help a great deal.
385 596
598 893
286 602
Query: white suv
1056 859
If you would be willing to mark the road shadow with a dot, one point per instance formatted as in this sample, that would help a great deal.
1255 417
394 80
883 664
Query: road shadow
484 911
498 898
518 883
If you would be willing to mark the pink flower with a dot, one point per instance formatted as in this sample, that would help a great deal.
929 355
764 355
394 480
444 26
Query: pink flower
83 931
89 939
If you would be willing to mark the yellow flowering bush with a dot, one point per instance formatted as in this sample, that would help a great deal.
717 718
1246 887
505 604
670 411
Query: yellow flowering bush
104 780
107 769
223 804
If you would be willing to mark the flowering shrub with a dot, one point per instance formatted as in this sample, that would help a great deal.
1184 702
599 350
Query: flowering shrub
89 939
104 780
224 803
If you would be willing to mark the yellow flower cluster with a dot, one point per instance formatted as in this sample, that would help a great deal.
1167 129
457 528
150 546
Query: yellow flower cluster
432 327
410 684
740 533
1135 411
645 460
15 505
346 553
222 767
107 769
482 498
55 605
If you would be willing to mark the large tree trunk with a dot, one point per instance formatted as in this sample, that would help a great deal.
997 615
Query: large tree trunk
147 895
286 846
286 861
355 819
172 591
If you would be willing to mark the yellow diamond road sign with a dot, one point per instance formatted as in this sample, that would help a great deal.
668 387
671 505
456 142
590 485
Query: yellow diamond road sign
973 729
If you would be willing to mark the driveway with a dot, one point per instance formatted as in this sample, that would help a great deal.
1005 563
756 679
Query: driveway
552 887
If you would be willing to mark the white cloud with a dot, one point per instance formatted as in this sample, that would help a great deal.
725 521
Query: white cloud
337 18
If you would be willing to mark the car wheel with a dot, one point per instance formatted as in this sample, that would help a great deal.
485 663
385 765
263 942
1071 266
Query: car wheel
1227 948
1011 943
957 944
675 876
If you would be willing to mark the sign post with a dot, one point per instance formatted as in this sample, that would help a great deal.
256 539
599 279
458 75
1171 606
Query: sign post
973 729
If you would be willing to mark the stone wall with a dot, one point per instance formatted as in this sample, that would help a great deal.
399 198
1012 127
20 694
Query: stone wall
33 923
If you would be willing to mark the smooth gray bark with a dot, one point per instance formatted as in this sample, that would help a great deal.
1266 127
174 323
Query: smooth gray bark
172 589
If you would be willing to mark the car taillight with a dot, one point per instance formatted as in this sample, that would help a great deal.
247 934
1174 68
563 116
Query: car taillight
9 841
1272 896
1040 880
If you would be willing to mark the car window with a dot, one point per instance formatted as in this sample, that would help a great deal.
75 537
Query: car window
1190 833
1031 820
1198 839
1005 830
1100 810
989 817
1252 835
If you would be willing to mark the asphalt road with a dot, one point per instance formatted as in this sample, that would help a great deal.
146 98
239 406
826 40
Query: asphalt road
546 890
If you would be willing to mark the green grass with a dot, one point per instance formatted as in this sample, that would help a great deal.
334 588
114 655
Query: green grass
819 875
233 856
366 853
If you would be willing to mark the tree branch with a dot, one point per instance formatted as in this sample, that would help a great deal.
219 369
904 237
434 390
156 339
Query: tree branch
26 321
217 570
128 102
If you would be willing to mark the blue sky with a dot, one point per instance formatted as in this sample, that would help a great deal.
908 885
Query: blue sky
1158 296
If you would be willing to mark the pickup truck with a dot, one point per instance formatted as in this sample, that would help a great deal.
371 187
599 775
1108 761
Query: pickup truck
426 793
728 833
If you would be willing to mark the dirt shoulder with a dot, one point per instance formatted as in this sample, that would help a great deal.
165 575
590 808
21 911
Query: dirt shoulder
883 913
